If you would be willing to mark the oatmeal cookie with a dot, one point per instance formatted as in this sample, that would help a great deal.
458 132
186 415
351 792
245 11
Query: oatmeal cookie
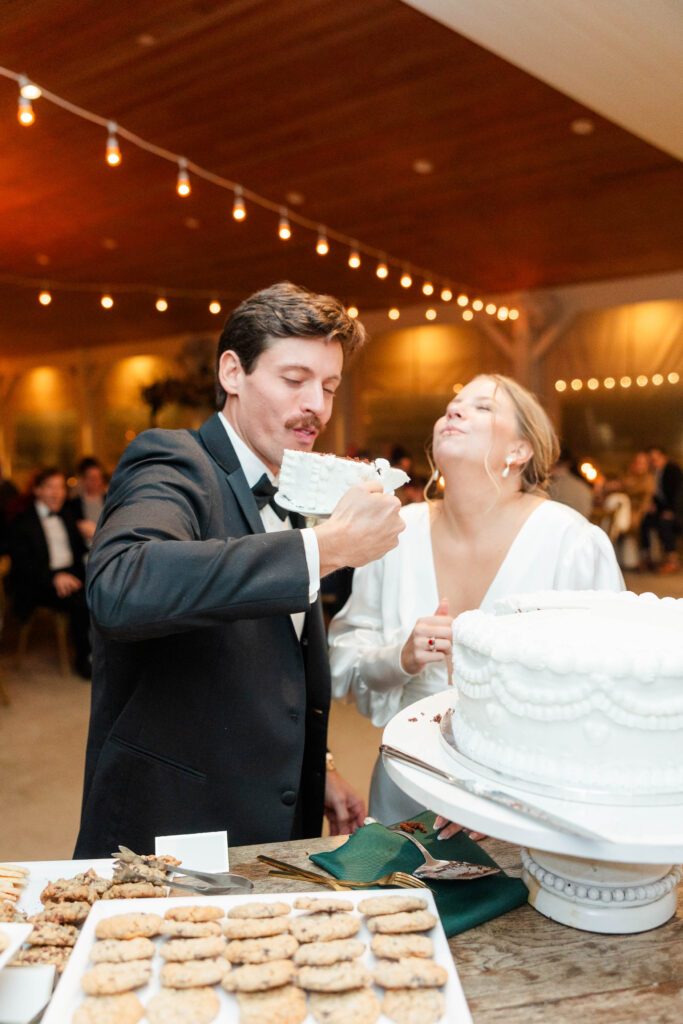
133 891
9 913
394 947
321 904
190 929
260 951
196 913
255 927
116 951
121 1009
58 956
285 1005
376 905
320 954
408 1006
335 978
193 973
324 927
63 913
109 979
183 1006
259 977
396 924
259 910
409 972
360 1006
128 926
46 933
193 949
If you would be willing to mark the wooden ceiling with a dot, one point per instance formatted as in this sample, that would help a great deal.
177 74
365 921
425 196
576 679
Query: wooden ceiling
333 102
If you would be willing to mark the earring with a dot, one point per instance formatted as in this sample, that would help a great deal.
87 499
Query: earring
508 463
436 474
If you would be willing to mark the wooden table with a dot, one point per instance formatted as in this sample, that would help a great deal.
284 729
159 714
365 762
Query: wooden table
522 968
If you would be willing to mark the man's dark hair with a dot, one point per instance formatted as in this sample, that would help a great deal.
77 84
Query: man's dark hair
86 463
44 474
284 311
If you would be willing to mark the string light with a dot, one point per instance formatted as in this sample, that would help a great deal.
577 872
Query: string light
161 304
657 379
113 152
239 210
502 313
560 385
467 314
354 256
513 314
491 308
430 314
406 279
382 270
25 113
29 89
462 299
593 384
284 230
673 378
625 382
214 307
322 246
576 384
446 295
609 383
641 380
183 187
352 311
477 305
106 302
393 313
428 288
45 298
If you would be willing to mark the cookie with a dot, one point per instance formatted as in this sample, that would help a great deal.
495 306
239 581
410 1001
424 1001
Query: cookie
260 951
324 927
254 927
376 905
133 891
108 979
193 949
409 972
335 978
63 913
57 956
318 954
396 924
321 904
117 951
190 929
128 926
194 913
260 977
360 1006
122 1009
408 1006
193 973
9 913
259 910
285 1005
4 942
183 1006
47 934
393 947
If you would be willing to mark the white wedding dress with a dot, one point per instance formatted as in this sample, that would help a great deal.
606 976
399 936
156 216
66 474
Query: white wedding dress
555 549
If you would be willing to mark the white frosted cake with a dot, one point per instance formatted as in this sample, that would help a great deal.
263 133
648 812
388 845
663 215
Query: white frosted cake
574 689
312 483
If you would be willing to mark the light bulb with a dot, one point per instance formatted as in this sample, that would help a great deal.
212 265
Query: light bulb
576 384
641 380
322 246
609 383
106 301
352 311
462 299
503 313
446 295
467 314
214 307
657 379
161 304
593 383
45 298
29 90
239 210
393 313
428 288
25 114
477 305
560 385
406 279
113 151
673 378
183 187
625 382
513 314
430 314
382 270
284 230
491 308
354 257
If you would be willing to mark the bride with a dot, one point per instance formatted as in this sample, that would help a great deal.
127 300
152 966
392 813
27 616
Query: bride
494 532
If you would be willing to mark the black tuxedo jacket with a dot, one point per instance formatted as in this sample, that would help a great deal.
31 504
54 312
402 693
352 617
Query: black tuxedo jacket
31 576
207 712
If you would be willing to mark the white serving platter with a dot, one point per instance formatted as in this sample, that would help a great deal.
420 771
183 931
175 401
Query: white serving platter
43 871
16 933
69 995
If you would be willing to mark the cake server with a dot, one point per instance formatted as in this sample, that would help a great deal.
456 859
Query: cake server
496 796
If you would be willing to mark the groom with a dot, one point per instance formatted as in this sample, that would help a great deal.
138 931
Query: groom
210 679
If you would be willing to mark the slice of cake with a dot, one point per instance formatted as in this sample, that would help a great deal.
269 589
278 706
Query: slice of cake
312 484
576 690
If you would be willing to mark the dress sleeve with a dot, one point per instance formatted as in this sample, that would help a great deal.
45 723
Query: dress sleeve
588 562
365 647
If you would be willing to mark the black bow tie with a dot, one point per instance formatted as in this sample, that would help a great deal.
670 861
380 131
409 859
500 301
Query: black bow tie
263 492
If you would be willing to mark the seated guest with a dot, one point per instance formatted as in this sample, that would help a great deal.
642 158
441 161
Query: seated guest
47 552
566 486
493 533
87 504
665 515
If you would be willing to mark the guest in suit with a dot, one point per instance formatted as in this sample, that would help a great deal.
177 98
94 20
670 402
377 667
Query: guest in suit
665 515
47 552
211 681
88 502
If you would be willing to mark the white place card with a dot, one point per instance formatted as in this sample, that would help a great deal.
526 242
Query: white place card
204 851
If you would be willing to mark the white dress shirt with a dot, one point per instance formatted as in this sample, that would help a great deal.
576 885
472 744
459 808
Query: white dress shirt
253 469
58 545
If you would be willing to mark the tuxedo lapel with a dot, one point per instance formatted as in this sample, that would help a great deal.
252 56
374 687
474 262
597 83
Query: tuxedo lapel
216 441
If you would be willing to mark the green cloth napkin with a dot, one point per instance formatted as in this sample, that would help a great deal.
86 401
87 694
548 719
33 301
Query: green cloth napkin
374 850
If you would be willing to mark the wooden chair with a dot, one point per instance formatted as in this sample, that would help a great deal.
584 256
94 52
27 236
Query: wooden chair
61 625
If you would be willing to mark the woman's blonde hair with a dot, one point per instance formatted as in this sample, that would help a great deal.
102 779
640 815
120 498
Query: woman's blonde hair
533 426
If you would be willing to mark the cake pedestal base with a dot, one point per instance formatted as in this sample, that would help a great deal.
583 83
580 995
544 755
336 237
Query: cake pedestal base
598 896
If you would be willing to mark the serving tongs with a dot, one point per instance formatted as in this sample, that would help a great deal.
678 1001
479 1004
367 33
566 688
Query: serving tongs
206 882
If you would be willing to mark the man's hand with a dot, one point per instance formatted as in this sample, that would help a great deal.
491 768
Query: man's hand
364 525
65 583
86 528
344 809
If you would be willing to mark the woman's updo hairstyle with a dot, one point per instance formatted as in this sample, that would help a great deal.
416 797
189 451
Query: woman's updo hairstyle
535 427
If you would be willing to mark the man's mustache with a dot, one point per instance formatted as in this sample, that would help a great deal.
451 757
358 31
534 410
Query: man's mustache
311 422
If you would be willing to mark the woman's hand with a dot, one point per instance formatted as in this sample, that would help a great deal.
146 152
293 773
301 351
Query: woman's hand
430 641
450 828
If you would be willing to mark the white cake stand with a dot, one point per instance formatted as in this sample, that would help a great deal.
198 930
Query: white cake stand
623 883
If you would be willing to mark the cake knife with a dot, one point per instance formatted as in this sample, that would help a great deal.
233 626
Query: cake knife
496 796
